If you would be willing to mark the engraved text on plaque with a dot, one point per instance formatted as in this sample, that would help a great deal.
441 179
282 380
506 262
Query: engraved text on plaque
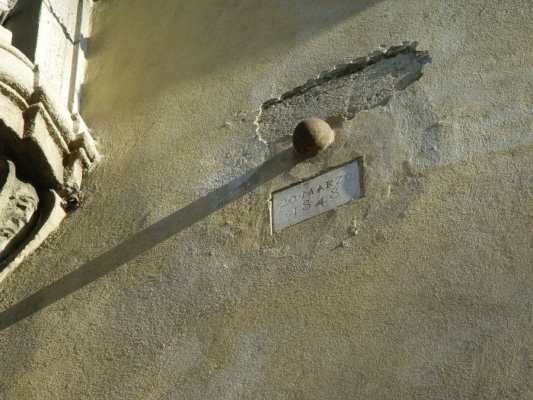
316 196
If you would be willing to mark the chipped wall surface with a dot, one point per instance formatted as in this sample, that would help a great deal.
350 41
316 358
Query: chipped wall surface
168 283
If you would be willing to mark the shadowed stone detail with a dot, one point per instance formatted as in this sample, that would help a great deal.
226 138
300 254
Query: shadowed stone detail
41 131
18 205
341 93
5 9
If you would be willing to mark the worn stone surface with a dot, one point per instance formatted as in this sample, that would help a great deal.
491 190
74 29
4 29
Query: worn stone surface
18 204
5 35
55 52
361 84
316 196
41 134
419 290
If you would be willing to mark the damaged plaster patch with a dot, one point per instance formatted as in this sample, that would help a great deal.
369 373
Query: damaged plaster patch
362 84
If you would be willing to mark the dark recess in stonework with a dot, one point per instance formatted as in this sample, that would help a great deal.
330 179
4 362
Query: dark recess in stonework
23 23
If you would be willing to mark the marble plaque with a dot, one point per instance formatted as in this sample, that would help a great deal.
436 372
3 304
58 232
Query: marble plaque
316 196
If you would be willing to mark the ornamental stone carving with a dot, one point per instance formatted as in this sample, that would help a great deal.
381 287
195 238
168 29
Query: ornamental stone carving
19 202
45 146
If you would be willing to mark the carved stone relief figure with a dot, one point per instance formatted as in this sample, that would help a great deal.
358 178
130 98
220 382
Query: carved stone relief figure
18 206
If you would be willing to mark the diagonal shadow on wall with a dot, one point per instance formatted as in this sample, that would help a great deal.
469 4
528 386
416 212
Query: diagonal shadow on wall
403 63
150 237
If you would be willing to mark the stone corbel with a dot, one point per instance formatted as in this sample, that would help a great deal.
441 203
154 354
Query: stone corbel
45 150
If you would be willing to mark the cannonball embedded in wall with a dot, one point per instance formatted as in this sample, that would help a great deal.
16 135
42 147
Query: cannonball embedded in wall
312 136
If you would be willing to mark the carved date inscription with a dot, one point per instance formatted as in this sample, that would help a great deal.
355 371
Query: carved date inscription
316 196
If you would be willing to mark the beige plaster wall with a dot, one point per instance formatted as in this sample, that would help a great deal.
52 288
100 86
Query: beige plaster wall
157 288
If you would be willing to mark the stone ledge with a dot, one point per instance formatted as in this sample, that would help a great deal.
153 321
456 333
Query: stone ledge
59 137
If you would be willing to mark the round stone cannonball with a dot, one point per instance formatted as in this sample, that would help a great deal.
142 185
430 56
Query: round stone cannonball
312 136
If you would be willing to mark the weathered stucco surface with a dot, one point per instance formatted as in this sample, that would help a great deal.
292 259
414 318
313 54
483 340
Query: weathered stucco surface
423 289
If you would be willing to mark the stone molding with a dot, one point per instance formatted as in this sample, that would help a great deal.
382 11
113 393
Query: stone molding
51 147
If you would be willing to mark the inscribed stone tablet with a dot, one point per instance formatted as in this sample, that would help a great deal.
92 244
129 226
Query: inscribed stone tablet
316 196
